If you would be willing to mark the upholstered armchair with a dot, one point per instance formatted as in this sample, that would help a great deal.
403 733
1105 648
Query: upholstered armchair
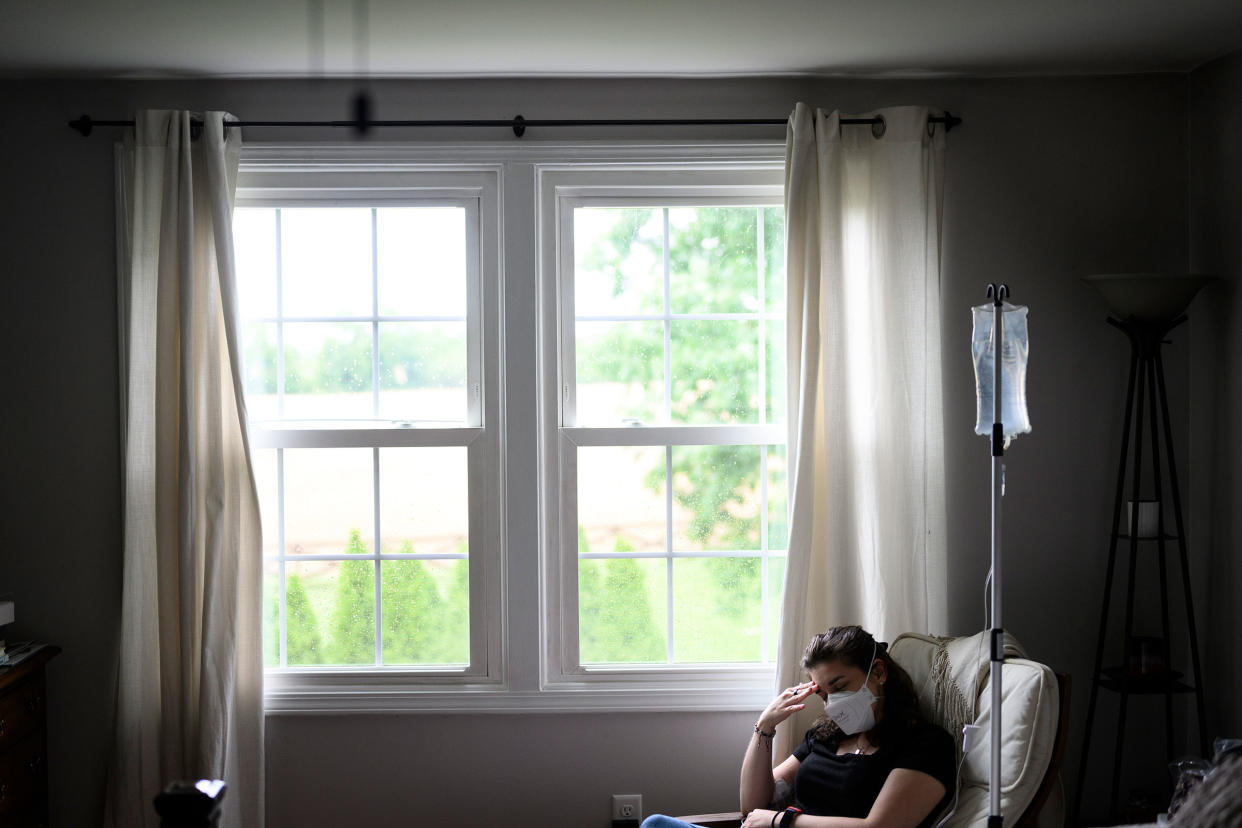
953 681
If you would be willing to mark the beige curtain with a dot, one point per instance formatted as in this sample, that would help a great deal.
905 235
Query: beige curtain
866 446
190 681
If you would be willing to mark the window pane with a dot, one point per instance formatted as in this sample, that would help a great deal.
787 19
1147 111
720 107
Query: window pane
621 501
422 372
329 507
775 595
424 501
618 261
330 612
421 260
266 479
622 610
426 612
774 258
716 489
716 609
260 370
620 372
713 265
326 261
271 614
715 372
328 370
254 250
775 370
778 499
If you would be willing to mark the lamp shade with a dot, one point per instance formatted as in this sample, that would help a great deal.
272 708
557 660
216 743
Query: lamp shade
1148 297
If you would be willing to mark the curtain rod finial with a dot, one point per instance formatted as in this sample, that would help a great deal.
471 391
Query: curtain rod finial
83 125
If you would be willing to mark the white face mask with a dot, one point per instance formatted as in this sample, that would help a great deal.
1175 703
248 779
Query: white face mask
853 710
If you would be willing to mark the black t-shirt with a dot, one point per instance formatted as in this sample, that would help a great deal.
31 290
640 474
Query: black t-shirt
828 784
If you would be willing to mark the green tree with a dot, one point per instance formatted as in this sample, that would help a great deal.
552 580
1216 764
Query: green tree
423 357
412 617
713 265
353 614
715 367
453 643
614 610
302 635
301 627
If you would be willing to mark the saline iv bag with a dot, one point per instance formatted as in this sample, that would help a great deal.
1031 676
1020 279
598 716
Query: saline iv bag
1015 345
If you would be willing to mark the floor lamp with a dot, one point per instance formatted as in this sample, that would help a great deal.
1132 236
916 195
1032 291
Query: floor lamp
1145 307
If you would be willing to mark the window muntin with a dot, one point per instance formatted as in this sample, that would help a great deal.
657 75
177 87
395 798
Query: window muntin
360 322
672 370
520 599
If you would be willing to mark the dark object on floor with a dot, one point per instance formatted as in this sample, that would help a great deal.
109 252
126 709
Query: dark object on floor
190 804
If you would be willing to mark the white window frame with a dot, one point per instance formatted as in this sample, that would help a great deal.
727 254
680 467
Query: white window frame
302 176
521 578
562 189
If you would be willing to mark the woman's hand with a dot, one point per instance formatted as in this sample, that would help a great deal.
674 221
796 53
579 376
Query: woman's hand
790 701
759 818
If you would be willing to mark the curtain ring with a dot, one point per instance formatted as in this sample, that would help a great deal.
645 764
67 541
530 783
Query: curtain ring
878 127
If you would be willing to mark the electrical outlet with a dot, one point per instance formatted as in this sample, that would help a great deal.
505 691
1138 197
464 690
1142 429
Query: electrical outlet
627 809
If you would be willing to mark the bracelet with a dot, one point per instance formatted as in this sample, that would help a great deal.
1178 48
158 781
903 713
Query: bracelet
788 816
765 737
775 816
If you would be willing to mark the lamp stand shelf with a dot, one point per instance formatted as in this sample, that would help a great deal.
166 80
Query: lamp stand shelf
1146 673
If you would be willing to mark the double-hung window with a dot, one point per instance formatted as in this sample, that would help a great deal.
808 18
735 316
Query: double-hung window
665 441
368 316
517 421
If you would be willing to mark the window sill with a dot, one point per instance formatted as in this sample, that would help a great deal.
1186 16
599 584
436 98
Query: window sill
355 693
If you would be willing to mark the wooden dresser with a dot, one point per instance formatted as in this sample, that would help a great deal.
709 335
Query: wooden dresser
23 740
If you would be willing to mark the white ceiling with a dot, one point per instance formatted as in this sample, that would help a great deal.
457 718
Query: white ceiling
421 38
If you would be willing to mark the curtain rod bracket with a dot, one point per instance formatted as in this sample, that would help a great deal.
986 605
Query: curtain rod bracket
519 126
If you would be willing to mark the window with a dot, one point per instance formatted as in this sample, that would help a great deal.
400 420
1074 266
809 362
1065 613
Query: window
517 422
669 451
365 366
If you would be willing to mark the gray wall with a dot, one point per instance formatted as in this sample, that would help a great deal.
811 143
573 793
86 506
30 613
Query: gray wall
1047 180
1215 109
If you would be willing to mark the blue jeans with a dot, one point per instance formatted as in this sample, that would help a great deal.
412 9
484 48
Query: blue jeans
662 821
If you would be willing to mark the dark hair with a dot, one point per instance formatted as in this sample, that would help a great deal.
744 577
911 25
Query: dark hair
853 646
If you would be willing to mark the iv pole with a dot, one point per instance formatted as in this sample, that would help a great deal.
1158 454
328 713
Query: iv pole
997 293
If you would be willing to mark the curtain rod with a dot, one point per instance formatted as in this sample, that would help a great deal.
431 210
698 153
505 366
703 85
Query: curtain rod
85 124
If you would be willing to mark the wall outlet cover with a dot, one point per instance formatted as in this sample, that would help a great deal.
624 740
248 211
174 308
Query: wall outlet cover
627 810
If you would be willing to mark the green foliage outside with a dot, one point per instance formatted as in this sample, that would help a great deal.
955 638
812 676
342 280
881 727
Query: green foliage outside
622 601
425 620
715 377
353 617
616 622
302 628
411 356
420 626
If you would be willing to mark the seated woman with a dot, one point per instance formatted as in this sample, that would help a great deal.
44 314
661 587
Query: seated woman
870 760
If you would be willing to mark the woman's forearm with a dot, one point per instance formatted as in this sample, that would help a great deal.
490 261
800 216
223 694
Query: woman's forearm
757 783
805 821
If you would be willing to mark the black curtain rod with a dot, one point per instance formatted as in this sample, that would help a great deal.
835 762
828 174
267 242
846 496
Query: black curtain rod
85 124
